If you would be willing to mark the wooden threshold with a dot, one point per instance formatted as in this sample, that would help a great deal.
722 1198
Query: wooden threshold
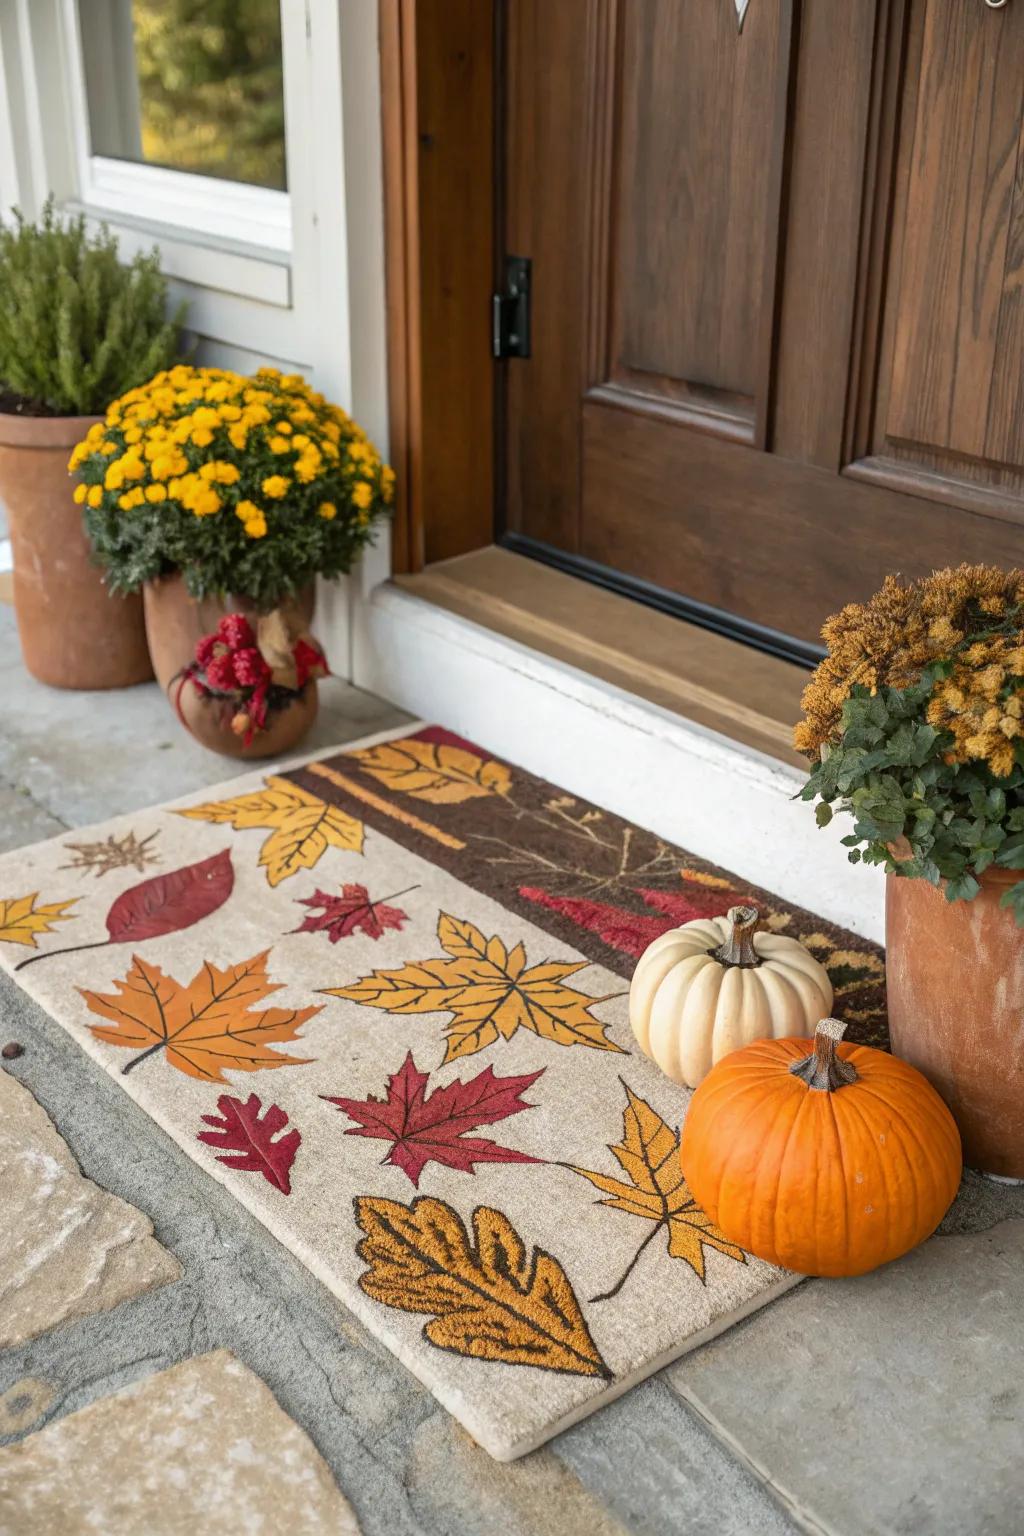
719 683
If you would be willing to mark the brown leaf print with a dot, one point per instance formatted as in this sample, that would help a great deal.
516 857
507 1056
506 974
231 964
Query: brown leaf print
488 1298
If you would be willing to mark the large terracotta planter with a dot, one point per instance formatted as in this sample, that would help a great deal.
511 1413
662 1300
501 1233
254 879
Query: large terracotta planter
955 979
74 633
175 623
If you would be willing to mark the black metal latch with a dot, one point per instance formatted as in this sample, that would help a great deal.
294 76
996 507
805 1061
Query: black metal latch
510 311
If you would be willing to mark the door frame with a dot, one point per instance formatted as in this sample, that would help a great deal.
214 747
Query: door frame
438 110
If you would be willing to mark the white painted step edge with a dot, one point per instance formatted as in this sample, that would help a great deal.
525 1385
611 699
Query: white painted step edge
6 558
714 796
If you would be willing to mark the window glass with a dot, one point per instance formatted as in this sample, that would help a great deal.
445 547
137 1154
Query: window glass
194 85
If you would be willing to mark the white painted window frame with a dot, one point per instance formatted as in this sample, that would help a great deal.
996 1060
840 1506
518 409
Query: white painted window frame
202 206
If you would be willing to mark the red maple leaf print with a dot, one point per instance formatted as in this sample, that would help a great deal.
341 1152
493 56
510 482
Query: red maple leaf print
350 912
248 1142
430 1127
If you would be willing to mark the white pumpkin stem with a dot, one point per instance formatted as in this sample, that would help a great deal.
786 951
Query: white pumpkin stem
738 948
824 1069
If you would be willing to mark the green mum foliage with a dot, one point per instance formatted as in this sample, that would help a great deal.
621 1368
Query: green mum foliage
76 327
896 776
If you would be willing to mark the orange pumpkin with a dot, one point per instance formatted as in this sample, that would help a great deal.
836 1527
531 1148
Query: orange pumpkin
826 1158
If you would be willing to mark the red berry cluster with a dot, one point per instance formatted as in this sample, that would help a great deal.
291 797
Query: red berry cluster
229 662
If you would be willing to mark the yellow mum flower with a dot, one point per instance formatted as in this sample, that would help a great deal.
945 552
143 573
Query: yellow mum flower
108 448
94 496
239 435
80 493
362 495
284 427
307 465
387 484
219 471
275 486
78 453
279 444
205 502
156 492
202 437
256 527
133 435
245 511
327 510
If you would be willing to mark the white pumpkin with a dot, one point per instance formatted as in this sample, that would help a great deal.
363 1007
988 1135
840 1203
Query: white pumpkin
714 985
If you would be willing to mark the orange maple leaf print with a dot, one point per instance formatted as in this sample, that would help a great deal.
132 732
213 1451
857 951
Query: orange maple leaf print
205 1028
654 1189
489 991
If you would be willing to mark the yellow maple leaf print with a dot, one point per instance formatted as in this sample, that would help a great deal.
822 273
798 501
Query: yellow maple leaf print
648 1155
21 920
489 991
488 1297
302 826
434 771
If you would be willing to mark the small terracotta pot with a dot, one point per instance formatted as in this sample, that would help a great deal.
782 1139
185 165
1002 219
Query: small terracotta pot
74 633
955 980
204 719
176 621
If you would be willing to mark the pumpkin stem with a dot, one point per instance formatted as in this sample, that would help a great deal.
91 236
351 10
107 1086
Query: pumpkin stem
824 1068
738 948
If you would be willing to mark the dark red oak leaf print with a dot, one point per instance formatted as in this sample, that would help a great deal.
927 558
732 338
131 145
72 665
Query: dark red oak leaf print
351 912
431 1127
247 1142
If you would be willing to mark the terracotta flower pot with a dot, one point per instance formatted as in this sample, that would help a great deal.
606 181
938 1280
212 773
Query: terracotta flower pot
74 633
285 728
175 623
955 979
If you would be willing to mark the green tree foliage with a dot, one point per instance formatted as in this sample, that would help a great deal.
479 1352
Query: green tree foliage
77 328
211 91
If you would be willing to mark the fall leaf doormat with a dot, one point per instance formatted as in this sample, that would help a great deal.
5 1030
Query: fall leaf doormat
382 997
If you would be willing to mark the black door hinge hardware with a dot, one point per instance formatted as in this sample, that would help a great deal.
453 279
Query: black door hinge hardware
510 311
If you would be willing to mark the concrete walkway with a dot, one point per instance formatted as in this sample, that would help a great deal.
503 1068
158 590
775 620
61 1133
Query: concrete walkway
887 1404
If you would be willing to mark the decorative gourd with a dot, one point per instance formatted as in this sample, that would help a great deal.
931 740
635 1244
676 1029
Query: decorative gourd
714 985
825 1158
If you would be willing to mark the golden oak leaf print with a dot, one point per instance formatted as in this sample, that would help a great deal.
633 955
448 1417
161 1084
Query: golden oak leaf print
21 920
489 991
210 1026
302 827
434 771
488 1297
655 1189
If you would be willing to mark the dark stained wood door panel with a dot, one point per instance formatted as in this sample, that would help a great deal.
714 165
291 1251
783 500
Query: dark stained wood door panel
778 289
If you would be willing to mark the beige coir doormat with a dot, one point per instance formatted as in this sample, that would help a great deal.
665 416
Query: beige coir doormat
382 998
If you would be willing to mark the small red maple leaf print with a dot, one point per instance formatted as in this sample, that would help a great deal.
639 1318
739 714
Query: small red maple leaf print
351 912
430 1127
248 1142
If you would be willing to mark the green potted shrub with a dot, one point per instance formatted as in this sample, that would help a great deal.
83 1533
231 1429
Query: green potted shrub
915 725
222 497
76 330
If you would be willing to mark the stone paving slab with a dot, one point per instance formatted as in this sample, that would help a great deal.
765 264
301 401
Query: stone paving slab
69 1248
893 1403
200 1447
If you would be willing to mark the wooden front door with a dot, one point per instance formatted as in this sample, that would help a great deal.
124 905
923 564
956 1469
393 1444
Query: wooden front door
777 297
